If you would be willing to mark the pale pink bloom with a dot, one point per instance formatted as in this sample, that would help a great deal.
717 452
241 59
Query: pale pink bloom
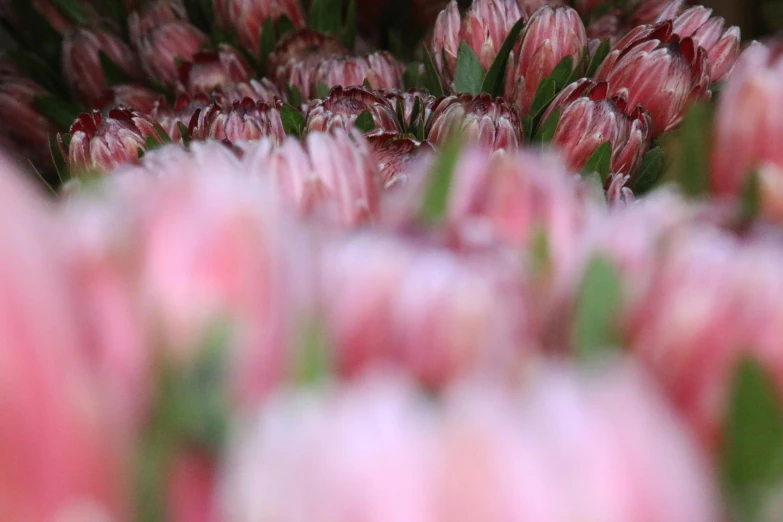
241 121
262 90
163 47
247 17
129 95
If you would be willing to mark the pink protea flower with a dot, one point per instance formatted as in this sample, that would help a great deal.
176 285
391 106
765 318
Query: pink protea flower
130 95
551 34
26 127
152 14
746 129
396 157
183 110
58 448
100 143
590 118
162 48
490 122
208 70
652 11
240 121
484 28
330 175
341 108
405 104
247 18
81 63
262 90
653 67
708 32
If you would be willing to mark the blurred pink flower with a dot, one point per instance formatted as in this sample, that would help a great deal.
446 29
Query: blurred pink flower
208 70
134 96
246 18
164 47
26 128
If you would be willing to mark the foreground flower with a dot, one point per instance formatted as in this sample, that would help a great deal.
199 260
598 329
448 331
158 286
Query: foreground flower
653 67
589 118
164 47
551 34
53 407
343 106
129 95
490 122
26 128
100 143
247 17
82 66
484 28
329 176
208 70
240 121
707 32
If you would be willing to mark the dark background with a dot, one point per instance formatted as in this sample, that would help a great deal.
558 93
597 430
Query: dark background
756 18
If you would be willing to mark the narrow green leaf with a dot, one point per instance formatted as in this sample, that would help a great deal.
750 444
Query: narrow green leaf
267 43
600 162
348 33
314 365
540 252
469 75
689 149
562 72
294 95
750 200
650 171
598 303
112 73
412 78
546 131
578 71
527 128
365 122
284 26
435 201
72 10
293 120
321 90
183 132
41 179
431 79
151 143
598 58
366 84
139 152
163 136
493 81
326 16
60 164
60 112
547 90
752 457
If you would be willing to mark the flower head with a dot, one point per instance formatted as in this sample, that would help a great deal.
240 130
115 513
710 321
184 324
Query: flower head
341 108
208 70
241 121
247 17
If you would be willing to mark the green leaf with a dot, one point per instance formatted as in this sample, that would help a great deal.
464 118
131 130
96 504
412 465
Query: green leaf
163 136
562 72
139 152
750 199
366 84
435 202
540 252
267 43
546 92
294 95
689 149
151 143
546 131
60 164
293 120
431 78
578 71
38 34
365 122
752 456
598 58
348 33
527 128
112 73
650 171
597 306
321 90
60 112
183 132
39 71
284 26
412 78
326 16
73 11
600 162
493 81
469 76
314 365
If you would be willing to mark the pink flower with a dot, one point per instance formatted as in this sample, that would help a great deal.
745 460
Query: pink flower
129 95
58 450
247 17
182 112
341 108
103 142
490 122
550 35
152 14
240 121
81 64
208 70
332 176
25 127
651 66
396 157
262 90
162 48
590 118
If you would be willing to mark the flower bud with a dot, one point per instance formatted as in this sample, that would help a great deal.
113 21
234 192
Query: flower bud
589 118
25 127
247 17
103 142
208 70
288 64
341 108
240 121
489 122
129 95
484 28
261 90
183 110
395 157
651 66
82 66
707 32
329 176
652 11
163 48
550 35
